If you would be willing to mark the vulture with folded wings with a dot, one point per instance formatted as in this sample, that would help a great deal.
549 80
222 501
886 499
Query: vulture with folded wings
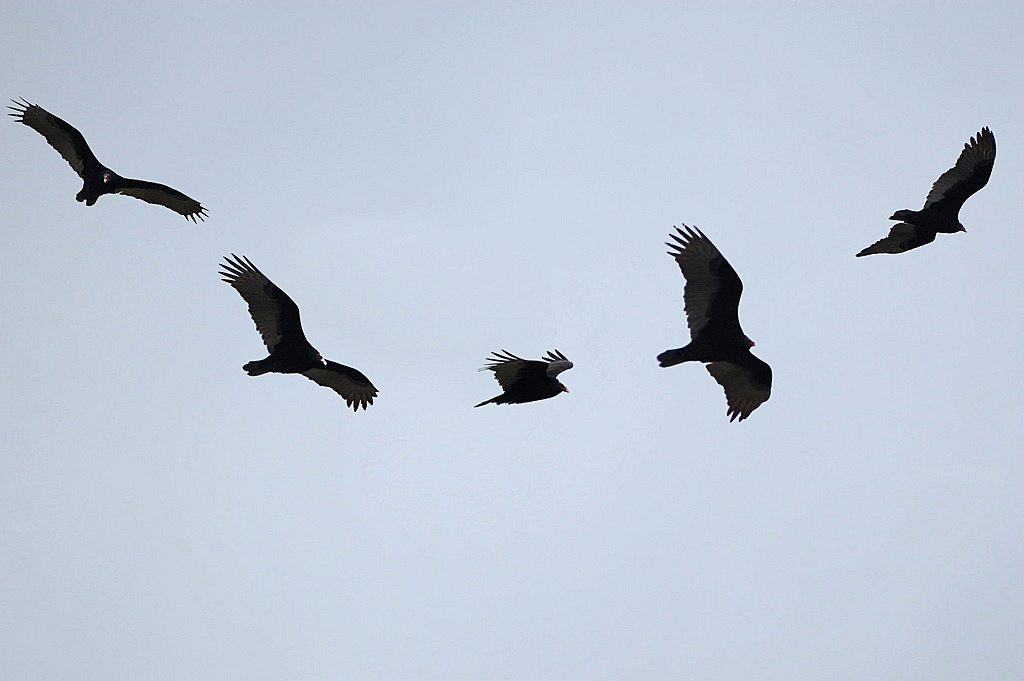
97 178
526 380
711 299
277 319
941 212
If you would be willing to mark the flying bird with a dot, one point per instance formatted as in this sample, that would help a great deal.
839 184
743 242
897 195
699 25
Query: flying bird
97 178
711 298
941 212
526 380
277 319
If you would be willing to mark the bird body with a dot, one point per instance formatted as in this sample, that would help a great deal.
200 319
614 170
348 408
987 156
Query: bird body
526 380
97 179
931 218
711 299
941 211
277 319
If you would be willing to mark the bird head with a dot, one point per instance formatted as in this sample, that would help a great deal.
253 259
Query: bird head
564 389
749 342
107 177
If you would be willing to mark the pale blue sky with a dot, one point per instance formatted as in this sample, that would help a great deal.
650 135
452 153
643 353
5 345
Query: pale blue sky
431 182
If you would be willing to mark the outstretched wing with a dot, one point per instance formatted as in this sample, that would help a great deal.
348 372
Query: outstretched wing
60 134
348 382
557 363
970 173
275 314
162 195
712 293
747 386
902 237
509 369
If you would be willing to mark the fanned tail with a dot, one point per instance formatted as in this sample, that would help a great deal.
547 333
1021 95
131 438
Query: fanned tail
255 368
670 358
903 215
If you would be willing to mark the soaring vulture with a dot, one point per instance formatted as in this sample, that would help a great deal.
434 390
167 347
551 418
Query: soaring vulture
526 380
711 298
277 319
941 212
97 178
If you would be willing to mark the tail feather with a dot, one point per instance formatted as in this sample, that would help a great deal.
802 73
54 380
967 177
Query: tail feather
903 215
672 357
255 368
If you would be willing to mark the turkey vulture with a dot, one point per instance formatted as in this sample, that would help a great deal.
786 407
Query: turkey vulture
712 299
97 178
277 320
941 212
526 380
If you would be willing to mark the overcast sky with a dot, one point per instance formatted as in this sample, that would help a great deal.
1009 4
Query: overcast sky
434 181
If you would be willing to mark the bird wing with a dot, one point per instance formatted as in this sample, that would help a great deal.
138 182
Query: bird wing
60 134
556 363
162 195
970 173
348 382
902 237
712 292
275 314
508 368
746 386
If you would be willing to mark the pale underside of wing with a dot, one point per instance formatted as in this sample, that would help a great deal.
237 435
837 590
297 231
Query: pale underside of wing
350 383
902 237
257 290
971 172
743 392
557 363
60 134
711 283
162 195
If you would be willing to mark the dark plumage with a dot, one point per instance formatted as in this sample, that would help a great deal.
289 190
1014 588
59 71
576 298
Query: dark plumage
97 178
941 212
277 319
711 299
526 380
